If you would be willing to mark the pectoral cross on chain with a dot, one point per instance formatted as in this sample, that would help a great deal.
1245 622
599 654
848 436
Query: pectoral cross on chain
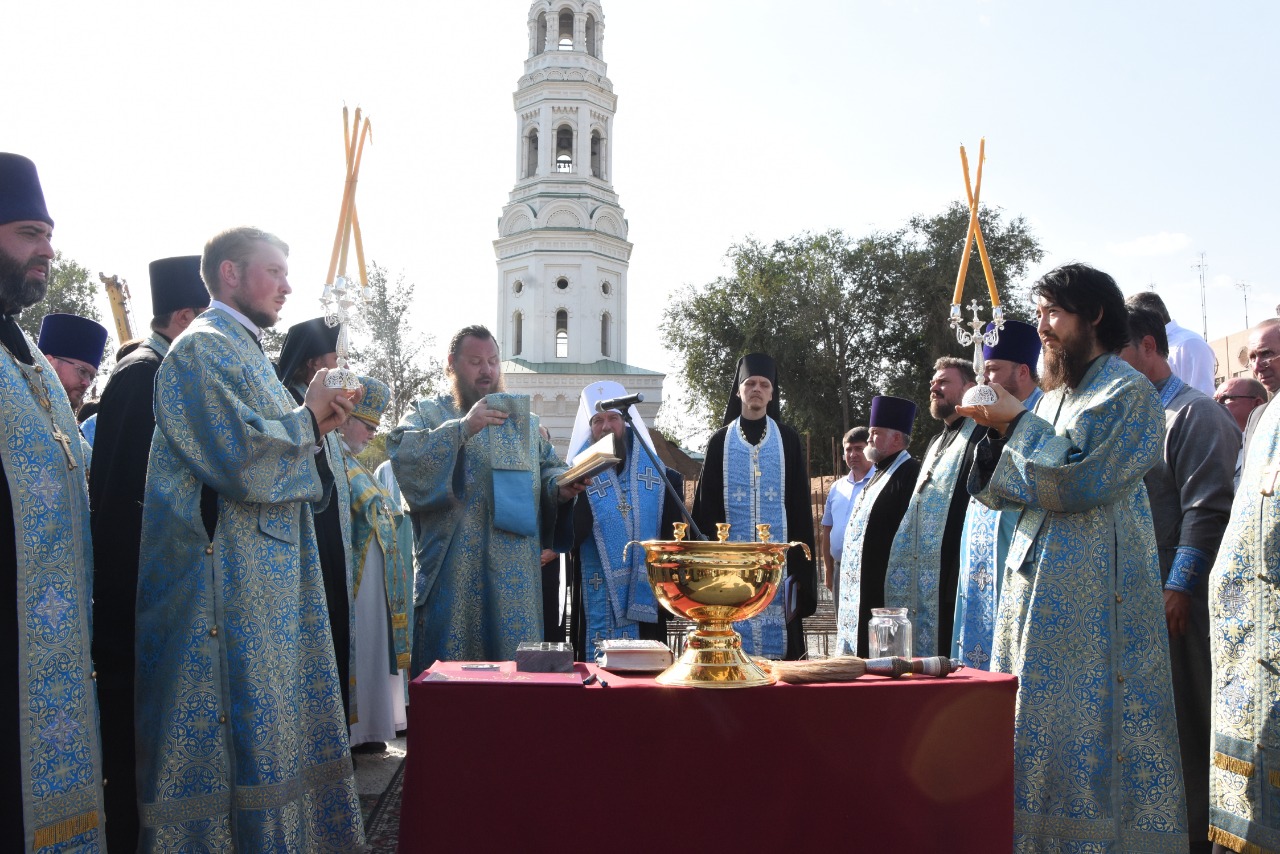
61 439
1269 486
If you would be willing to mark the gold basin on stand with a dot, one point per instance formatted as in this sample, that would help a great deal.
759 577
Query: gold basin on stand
715 584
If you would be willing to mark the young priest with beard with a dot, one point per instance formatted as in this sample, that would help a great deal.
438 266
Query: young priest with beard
1082 622
756 472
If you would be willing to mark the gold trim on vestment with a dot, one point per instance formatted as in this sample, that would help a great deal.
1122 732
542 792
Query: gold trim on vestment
68 828
1232 764
1235 843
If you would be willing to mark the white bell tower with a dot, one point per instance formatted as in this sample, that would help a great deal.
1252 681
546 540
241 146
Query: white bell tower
562 250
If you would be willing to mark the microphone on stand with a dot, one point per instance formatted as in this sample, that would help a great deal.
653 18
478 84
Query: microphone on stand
620 403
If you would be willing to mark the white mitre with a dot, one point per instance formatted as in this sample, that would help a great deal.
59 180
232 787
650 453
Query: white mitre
590 396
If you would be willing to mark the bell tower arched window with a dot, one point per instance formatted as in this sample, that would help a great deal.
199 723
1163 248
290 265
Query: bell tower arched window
566 31
540 42
562 334
604 334
531 154
518 333
591 35
564 149
597 152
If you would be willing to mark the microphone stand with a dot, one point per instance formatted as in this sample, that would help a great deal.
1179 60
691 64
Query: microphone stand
662 472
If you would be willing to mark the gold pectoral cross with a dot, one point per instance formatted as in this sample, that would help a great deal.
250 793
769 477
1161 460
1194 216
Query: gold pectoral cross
61 439
1269 488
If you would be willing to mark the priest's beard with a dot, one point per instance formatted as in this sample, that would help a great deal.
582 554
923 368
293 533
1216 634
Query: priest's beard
1066 360
466 395
18 289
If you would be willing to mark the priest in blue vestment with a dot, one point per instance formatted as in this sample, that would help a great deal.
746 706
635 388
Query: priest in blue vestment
984 542
1244 613
609 583
1081 620
756 473
50 755
924 563
242 742
480 482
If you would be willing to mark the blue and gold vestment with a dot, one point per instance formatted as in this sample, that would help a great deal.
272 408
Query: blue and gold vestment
242 743
59 754
1081 621
915 578
1244 616
478 590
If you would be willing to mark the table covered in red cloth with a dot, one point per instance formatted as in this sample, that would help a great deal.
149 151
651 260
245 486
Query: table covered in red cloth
921 764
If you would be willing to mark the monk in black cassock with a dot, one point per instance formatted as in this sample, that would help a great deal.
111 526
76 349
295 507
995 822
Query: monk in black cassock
308 347
117 482
756 472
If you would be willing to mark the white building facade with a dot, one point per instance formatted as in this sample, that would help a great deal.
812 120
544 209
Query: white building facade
562 250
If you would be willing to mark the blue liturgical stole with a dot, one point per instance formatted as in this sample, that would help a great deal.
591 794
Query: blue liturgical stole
911 580
851 559
753 495
616 594
984 543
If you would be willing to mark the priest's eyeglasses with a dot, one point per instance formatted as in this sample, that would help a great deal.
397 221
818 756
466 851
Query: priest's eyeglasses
81 371
1262 357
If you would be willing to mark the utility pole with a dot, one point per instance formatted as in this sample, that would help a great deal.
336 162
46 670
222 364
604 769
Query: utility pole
1204 312
1244 289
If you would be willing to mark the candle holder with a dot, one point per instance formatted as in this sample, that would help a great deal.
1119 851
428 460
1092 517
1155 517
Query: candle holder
338 301
340 295
981 394
979 333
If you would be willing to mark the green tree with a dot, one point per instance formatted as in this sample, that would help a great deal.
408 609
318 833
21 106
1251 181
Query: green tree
845 318
395 353
71 291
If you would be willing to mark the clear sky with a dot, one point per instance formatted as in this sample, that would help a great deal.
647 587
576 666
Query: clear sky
1131 135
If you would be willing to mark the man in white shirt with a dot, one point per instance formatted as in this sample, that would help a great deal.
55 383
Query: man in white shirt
840 500
1190 356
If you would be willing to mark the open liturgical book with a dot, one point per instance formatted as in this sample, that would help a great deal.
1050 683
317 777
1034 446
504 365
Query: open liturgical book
595 459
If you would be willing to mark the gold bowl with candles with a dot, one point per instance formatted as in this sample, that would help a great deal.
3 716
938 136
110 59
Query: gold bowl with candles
715 584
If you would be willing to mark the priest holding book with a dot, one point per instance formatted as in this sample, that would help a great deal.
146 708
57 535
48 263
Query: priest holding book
612 599
482 487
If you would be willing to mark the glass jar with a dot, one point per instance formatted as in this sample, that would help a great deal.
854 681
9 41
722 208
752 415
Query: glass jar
889 633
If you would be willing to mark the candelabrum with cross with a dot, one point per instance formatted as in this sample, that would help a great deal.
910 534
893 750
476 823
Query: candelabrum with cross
339 299
978 333
342 295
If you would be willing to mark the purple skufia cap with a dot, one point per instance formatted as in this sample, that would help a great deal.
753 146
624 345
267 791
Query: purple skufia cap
21 197
1019 342
72 337
892 413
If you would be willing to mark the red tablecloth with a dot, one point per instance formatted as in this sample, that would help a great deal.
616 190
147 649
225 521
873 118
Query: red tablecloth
920 764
